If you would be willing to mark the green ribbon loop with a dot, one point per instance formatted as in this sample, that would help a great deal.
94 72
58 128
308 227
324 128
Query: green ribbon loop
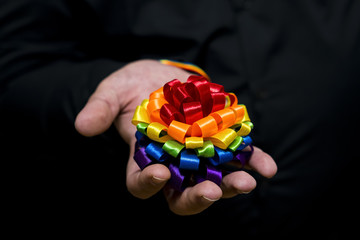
173 147
141 127
207 150
235 144
251 125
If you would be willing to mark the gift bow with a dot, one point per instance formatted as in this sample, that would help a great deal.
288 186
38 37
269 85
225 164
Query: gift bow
181 121
192 127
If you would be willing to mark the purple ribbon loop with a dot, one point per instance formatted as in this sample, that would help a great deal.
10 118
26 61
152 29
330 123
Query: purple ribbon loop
176 180
211 173
244 156
141 158
188 169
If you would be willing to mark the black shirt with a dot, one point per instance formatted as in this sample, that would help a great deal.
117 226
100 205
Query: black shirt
293 63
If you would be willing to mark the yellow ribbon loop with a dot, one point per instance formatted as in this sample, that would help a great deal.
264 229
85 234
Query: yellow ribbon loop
195 126
244 130
224 138
140 116
157 132
144 103
227 101
246 117
194 142
220 128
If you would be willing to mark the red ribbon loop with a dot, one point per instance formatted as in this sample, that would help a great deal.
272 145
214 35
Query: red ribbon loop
215 88
180 96
199 88
193 100
168 113
192 112
219 101
168 90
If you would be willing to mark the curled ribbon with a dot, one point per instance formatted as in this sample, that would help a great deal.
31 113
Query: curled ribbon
195 128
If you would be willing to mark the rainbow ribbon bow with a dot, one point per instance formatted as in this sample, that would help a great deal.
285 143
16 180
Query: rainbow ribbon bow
194 128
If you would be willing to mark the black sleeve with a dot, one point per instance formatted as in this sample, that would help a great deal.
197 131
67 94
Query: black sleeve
47 69
47 73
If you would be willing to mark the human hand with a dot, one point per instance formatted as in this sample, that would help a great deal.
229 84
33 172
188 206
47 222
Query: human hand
114 102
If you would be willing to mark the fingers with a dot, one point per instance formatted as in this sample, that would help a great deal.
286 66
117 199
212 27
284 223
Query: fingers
99 112
238 182
263 163
194 199
143 184
114 101
120 93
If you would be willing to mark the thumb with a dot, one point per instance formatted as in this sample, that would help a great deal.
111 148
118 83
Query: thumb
99 112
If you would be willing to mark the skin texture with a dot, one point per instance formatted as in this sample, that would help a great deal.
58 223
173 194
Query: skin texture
114 102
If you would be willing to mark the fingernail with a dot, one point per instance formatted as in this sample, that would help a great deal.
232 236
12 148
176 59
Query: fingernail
158 180
210 199
241 192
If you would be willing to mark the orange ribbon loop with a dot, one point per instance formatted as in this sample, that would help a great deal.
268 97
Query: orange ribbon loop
178 130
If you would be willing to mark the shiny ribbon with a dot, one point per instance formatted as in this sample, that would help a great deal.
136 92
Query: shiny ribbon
214 160
195 128
186 66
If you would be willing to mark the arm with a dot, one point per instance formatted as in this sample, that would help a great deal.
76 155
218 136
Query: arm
108 105
46 72
49 75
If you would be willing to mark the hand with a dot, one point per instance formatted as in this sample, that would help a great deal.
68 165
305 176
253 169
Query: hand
114 102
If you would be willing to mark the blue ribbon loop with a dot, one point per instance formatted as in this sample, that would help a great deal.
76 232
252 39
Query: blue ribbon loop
189 160
221 156
148 152
246 142
155 150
